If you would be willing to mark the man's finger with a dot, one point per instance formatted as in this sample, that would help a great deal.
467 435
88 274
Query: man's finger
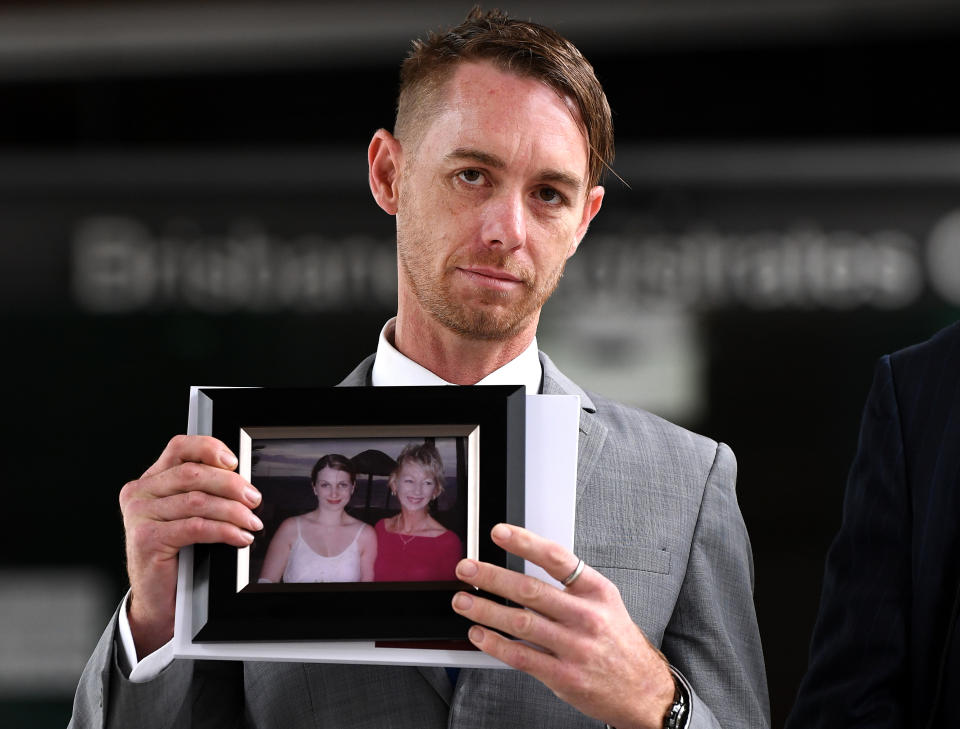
193 449
515 654
522 589
190 476
168 537
557 561
518 622
197 530
205 505
558 605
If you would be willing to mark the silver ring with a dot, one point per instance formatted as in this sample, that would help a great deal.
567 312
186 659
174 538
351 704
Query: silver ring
573 575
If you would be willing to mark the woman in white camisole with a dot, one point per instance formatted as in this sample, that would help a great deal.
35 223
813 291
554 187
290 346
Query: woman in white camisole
326 544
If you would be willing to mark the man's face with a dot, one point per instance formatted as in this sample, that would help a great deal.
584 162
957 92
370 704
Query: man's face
492 201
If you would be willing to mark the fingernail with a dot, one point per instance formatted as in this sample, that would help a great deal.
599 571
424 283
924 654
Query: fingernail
462 601
248 537
475 634
255 523
501 531
467 568
253 496
228 459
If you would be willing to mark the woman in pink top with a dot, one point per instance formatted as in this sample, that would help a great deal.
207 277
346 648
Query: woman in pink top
326 544
412 545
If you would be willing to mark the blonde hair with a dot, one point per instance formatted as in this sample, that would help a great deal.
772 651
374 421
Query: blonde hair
427 457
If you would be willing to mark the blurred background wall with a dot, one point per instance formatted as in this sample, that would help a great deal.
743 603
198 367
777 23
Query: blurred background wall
183 200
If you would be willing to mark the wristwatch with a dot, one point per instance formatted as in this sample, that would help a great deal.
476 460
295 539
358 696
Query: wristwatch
676 716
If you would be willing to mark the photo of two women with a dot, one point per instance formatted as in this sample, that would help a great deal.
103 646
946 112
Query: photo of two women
359 510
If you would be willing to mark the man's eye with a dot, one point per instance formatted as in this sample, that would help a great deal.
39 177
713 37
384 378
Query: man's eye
549 195
471 177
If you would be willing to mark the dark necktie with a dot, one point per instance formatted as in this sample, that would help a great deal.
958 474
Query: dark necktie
453 672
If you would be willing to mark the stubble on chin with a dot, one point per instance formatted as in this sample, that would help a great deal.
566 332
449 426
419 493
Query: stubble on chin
493 318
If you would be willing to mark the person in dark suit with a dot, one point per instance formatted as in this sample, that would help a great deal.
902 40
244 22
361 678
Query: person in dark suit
885 650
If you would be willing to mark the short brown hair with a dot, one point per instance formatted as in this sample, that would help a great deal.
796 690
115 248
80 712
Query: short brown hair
521 47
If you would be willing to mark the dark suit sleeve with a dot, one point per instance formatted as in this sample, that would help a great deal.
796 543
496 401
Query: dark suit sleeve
857 676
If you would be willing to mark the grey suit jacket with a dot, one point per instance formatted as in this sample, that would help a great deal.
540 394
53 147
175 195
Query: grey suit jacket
656 513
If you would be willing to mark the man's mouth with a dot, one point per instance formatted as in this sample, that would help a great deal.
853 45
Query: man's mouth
491 276
492 272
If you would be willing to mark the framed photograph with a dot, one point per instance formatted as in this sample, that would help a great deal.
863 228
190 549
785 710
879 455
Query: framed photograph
370 498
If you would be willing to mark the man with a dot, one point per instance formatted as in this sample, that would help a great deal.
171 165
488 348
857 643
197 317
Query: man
501 139
886 649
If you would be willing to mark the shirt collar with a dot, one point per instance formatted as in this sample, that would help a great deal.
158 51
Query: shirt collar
393 368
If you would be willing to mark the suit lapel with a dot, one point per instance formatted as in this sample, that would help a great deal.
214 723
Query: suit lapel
437 677
593 433
362 375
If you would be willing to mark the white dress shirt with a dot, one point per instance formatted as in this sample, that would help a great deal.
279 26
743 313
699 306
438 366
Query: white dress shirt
390 368
393 368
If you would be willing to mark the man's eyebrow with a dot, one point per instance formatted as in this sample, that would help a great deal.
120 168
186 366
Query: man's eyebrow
485 158
563 178
491 160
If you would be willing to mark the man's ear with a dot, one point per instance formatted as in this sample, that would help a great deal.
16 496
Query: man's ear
591 207
385 160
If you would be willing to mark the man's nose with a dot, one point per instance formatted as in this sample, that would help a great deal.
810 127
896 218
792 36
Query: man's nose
505 220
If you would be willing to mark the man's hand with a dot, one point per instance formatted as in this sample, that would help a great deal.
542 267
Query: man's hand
189 496
594 656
